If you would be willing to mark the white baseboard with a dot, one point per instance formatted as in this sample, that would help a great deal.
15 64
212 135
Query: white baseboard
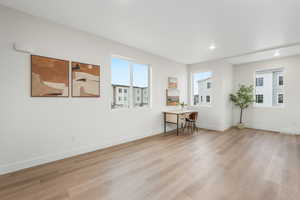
287 131
213 127
4 169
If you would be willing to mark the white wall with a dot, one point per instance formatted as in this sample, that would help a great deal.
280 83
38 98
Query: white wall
39 130
217 115
284 119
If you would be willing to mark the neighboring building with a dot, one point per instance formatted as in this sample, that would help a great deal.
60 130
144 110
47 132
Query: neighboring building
278 91
269 88
263 90
145 96
204 91
140 96
121 96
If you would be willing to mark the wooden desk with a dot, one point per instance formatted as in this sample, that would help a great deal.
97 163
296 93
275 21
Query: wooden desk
177 114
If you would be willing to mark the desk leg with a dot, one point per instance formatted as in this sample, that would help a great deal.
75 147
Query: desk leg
177 124
165 122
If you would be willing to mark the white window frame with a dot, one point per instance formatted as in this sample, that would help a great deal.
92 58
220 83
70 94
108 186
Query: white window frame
191 101
130 89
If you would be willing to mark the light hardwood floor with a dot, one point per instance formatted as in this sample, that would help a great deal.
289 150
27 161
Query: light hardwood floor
234 165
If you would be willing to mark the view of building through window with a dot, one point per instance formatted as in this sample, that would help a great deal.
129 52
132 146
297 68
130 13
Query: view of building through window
269 90
140 85
202 84
130 84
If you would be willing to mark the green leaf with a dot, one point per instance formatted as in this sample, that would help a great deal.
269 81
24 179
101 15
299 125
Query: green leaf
243 97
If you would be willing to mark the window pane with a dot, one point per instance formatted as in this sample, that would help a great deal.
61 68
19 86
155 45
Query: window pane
202 84
260 81
259 98
140 85
280 81
208 85
207 99
120 80
280 98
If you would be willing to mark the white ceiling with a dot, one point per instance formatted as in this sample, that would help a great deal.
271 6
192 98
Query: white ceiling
181 30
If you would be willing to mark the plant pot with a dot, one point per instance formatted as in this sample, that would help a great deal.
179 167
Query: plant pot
241 125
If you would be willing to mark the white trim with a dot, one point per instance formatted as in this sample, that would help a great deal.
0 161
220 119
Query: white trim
202 105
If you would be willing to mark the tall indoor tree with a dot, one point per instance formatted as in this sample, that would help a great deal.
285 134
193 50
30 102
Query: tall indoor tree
242 98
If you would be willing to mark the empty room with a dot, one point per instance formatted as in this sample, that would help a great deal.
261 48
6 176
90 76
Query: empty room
149 100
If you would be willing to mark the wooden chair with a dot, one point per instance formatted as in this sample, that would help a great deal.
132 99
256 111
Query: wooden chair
190 121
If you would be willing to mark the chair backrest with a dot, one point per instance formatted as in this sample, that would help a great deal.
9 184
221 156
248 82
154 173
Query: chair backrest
193 116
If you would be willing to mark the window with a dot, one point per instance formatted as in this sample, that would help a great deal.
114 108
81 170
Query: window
280 80
280 98
260 81
208 85
259 98
196 99
269 85
130 81
140 84
201 87
207 99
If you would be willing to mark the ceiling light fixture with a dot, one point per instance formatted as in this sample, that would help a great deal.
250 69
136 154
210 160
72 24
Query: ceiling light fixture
277 53
212 47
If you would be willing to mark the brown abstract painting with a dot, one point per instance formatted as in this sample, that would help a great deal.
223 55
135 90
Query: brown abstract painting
49 77
172 82
85 80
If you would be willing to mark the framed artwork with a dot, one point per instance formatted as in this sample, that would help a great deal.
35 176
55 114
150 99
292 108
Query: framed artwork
172 82
49 77
85 80
173 97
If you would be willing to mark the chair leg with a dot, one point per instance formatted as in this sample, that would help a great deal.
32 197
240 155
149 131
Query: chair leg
194 127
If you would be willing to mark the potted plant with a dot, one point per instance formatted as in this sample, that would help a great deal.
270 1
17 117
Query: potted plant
182 104
242 98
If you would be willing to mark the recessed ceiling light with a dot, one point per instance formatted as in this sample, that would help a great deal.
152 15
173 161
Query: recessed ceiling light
277 53
212 47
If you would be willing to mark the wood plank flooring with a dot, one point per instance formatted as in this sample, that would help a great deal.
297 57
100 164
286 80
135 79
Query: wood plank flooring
235 165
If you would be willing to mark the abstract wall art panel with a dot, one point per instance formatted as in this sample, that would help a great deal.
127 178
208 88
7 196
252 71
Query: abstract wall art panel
85 80
173 97
49 77
172 82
